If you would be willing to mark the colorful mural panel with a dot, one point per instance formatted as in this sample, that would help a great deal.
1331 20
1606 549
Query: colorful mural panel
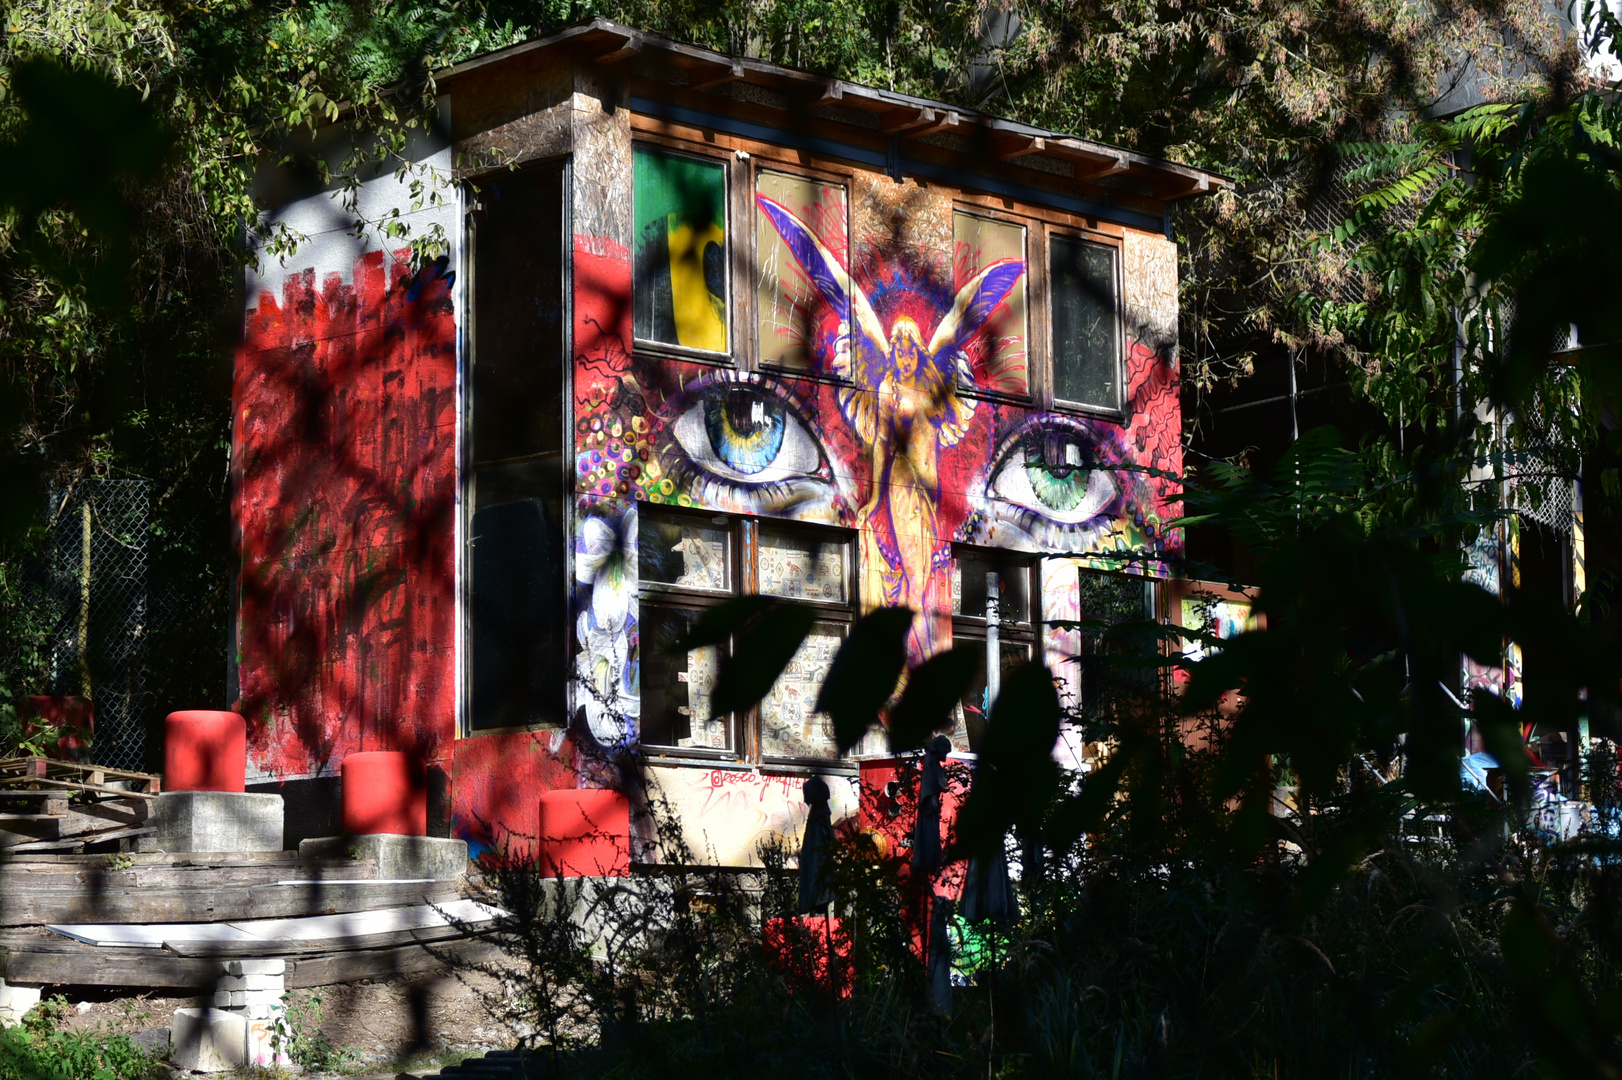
345 479
681 251
904 324
787 302
996 354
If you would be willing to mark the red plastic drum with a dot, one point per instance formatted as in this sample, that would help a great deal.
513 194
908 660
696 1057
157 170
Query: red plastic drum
384 793
204 750
585 833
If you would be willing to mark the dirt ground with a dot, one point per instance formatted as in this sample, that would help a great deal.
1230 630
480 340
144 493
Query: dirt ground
374 1026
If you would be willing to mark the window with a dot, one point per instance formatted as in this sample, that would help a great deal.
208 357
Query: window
680 263
997 353
518 633
791 311
993 598
1105 679
1086 341
690 561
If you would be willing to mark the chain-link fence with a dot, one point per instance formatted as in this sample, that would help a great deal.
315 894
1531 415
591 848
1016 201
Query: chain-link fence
122 604
96 558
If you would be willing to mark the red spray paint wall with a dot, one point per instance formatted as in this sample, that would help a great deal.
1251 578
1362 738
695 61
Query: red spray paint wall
344 454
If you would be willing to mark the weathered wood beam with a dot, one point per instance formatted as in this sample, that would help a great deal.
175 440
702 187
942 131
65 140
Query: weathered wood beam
34 906
903 121
1009 147
708 78
621 47
1109 167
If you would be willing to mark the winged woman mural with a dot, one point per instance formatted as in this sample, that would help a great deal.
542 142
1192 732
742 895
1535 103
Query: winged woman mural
901 402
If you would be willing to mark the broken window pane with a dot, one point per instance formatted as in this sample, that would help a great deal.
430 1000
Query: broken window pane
676 684
969 569
683 551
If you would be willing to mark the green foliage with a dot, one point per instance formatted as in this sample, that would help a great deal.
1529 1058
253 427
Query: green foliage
38 1049
298 1034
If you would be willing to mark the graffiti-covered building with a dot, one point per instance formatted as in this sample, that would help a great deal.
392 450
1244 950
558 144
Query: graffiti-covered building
706 327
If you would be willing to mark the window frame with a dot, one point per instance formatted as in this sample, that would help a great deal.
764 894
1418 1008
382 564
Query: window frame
1118 412
672 350
973 628
758 165
1035 307
744 533
472 207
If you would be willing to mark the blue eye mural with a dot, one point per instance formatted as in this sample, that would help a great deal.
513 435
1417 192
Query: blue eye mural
743 443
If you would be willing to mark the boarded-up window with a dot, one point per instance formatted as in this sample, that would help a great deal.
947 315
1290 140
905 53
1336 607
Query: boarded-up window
681 251
1086 344
997 354
792 311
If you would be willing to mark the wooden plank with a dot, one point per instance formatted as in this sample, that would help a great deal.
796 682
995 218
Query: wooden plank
81 839
38 766
1009 147
90 966
18 873
345 967
34 905
292 947
74 785
31 960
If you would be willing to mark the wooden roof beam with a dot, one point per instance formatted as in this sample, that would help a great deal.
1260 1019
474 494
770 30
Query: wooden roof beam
708 78
621 45
904 121
1012 146
1098 169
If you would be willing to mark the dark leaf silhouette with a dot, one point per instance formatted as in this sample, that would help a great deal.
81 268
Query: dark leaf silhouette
864 673
933 688
761 649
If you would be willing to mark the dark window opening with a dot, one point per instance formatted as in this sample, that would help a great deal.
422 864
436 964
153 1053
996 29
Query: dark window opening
1086 342
518 636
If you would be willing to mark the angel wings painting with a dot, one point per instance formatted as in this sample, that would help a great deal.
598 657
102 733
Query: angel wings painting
900 398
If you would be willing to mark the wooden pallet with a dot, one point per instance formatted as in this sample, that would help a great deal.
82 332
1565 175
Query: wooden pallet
63 806
34 773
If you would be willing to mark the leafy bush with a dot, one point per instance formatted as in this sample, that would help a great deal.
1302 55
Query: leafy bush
38 1049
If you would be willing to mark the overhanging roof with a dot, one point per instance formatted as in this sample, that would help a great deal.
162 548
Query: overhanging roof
901 117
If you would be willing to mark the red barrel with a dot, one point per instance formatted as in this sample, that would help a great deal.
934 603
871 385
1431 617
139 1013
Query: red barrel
384 793
585 832
204 750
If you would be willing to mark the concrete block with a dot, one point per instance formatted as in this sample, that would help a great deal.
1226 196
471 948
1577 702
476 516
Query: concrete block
257 967
217 821
227 984
262 982
208 1040
409 858
220 999
260 1047
15 1001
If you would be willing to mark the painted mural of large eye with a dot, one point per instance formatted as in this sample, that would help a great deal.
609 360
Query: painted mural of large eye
1053 482
750 435
1056 477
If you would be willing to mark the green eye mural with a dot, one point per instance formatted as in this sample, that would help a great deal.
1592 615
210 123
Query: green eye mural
681 244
